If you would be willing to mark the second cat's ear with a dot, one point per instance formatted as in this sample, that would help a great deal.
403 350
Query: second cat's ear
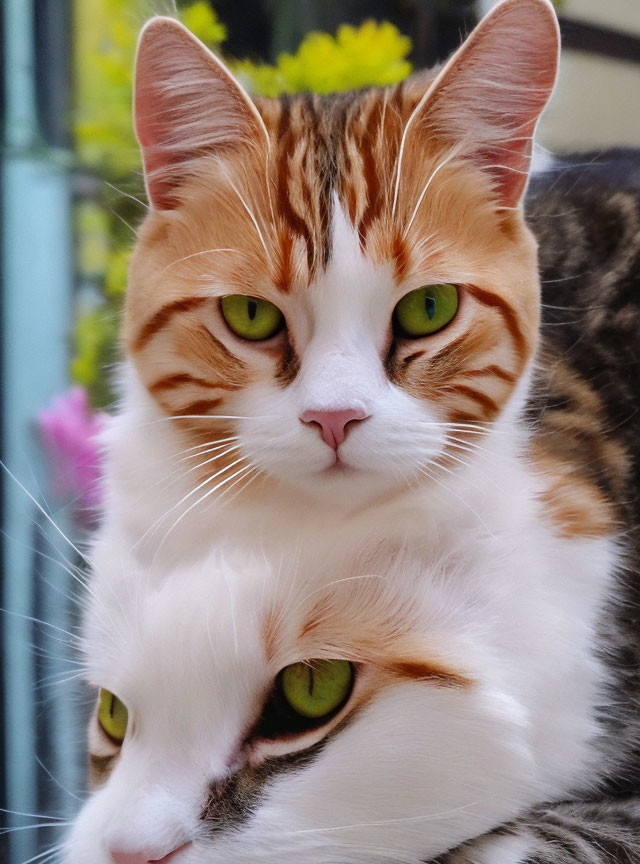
186 104
487 99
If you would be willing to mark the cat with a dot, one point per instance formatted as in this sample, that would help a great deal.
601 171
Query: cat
331 212
443 518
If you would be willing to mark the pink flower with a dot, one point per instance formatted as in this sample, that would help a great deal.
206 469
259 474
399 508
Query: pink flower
69 429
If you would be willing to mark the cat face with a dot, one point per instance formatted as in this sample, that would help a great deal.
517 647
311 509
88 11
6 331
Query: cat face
201 742
345 283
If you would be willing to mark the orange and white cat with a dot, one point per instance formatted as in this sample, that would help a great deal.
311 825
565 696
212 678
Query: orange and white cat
361 549
327 217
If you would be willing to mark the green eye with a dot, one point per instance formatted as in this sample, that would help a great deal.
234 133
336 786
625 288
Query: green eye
112 716
251 317
316 689
426 310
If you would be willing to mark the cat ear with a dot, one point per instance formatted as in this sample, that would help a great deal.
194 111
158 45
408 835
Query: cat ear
186 103
489 96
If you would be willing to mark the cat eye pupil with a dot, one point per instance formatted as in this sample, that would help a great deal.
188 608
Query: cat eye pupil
311 680
252 309
430 306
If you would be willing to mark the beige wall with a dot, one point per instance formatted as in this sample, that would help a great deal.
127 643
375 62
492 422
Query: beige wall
597 100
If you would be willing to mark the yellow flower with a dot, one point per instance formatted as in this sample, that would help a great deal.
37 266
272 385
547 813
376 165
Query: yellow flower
372 54
200 18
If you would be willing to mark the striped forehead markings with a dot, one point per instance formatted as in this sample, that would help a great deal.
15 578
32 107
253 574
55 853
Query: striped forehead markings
285 140
337 134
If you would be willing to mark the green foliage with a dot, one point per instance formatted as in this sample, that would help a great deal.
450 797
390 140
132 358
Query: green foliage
105 41
96 350
106 36
115 277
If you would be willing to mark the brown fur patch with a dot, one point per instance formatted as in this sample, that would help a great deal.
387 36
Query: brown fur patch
575 505
585 469
289 366
420 670
100 768
103 754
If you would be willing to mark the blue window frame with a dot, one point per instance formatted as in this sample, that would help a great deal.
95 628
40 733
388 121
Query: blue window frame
36 273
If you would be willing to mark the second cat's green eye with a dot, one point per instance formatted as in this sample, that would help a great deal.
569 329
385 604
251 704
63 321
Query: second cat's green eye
426 310
318 688
113 716
251 318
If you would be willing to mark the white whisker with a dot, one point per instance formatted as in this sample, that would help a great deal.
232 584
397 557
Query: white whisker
202 498
251 216
178 504
44 513
196 255
453 153
467 506
56 781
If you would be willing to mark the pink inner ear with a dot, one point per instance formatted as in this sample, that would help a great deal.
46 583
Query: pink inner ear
186 103
493 90
509 166
157 160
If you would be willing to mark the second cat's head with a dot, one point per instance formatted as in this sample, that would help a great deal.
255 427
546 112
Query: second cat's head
346 282
277 712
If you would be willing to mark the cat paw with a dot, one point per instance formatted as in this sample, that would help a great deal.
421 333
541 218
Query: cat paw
498 848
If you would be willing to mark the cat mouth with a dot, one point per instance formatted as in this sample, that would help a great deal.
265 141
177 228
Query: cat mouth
338 467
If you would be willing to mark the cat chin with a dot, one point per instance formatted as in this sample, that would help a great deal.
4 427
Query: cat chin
344 487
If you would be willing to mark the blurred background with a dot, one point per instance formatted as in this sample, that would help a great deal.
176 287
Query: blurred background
71 195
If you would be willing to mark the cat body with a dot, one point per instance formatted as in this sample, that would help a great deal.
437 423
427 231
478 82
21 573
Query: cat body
464 712
452 515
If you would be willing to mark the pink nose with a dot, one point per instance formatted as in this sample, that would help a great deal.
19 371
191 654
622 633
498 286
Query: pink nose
146 856
333 424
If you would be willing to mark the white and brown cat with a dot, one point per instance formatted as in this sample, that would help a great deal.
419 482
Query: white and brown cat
357 594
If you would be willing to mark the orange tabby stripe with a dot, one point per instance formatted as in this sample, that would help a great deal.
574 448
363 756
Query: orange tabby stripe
293 219
494 370
282 280
370 170
465 417
412 357
199 407
421 670
452 347
171 382
163 316
509 316
400 258
486 402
